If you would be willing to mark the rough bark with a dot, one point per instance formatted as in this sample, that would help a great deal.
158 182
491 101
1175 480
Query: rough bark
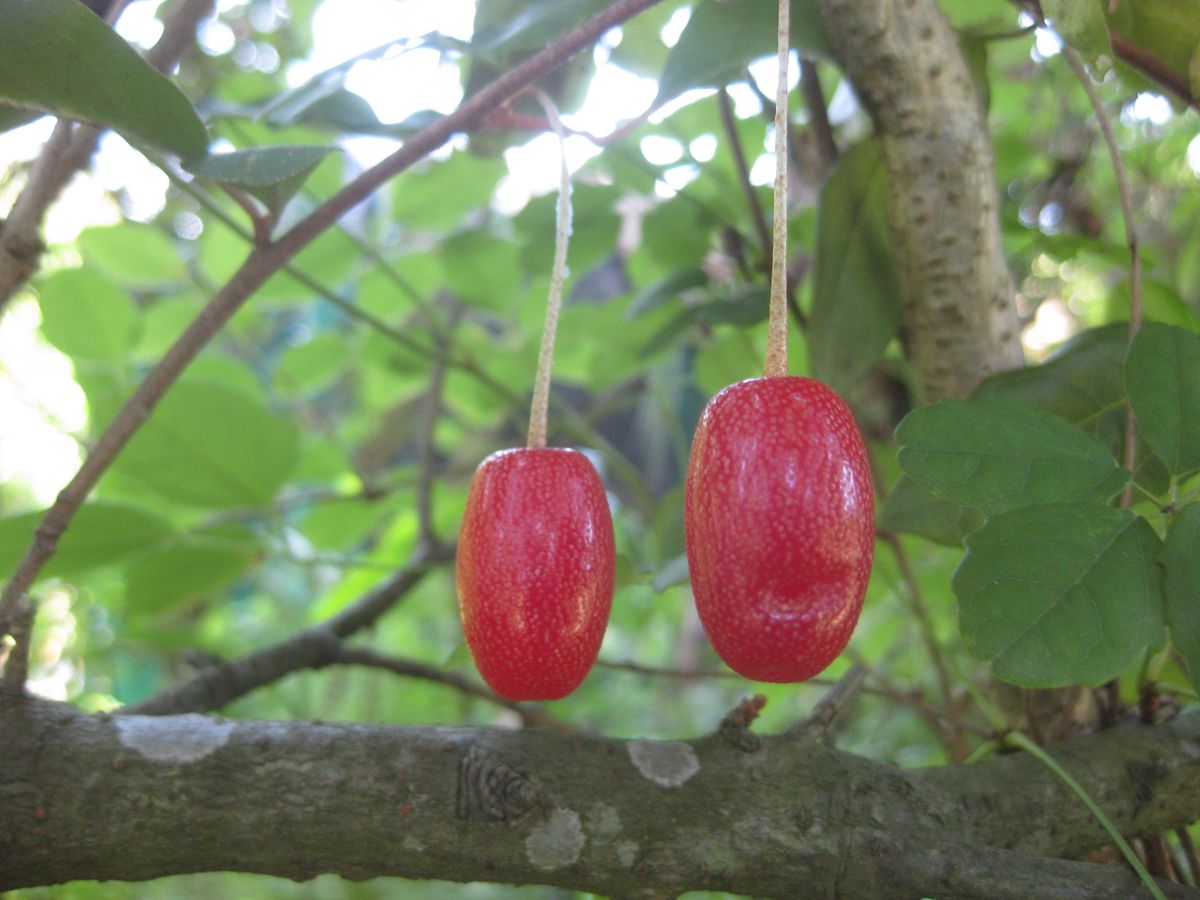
903 57
136 797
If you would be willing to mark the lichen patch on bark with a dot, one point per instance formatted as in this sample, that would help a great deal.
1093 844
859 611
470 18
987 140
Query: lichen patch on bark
666 763
175 740
556 842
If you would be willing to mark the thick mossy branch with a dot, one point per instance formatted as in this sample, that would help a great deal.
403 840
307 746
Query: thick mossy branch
903 57
135 797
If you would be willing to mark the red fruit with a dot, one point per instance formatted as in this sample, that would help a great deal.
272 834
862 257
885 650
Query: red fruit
780 522
535 571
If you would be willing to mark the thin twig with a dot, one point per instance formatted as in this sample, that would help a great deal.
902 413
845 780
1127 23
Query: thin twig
217 686
757 218
1125 193
426 457
818 115
1189 852
916 600
258 267
830 708
531 714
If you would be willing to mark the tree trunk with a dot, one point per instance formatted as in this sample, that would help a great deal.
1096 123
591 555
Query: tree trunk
903 57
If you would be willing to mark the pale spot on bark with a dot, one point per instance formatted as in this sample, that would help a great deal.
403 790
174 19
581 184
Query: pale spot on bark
172 739
603 820
668 763
412 845
627 852
557 842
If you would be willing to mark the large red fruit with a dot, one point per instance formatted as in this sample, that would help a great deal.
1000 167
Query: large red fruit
780 522
535 571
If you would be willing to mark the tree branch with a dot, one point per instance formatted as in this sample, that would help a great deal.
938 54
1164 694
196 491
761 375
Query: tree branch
943 206
217 686
263 262
789 819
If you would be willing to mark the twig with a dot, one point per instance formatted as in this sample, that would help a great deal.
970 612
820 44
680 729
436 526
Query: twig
833 705
1189 852
1154 68
743 171
531 714
258 267
217 686
661 672
426 458
916 599
68 150
818 115
1129 459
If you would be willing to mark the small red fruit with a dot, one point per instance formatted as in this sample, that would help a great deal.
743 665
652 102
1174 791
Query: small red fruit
779 517
535 571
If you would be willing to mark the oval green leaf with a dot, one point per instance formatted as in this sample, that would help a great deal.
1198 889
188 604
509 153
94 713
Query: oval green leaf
1060 595
187 568
86 316
131 252
100 534
271 175
57 56
1181 560
1162 375
998 455
211 446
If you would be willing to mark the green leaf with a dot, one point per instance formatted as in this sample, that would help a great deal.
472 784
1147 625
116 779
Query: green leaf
271 175
211 446
14 117
1081 24
132 252
440 194
1083 382
912 509
100 534
1060 595
1162 374
1181 559
187 568
998 455
856 283
87 316
57 56
722 36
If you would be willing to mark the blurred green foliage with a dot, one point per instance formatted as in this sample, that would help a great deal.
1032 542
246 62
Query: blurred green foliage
279 480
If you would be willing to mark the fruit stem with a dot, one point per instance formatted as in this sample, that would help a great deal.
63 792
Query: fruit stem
776 364
541 384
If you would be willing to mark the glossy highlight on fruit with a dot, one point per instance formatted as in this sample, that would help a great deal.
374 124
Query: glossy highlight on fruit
535 571
779 516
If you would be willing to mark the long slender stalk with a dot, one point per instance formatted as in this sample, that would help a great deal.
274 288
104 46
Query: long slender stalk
541 384
1022 742
776 364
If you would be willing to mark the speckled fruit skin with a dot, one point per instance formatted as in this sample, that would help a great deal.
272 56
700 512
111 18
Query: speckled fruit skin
779 516
535 571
